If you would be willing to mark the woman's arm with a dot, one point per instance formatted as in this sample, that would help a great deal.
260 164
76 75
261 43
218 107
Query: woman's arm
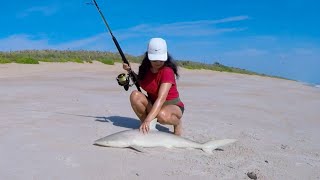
162 96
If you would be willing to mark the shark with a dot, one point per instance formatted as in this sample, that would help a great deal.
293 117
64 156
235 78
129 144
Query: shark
136 140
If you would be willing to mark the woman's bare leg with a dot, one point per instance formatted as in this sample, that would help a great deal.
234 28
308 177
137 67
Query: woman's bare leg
171 114
140 104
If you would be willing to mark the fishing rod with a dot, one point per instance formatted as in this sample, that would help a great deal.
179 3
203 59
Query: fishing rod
123 79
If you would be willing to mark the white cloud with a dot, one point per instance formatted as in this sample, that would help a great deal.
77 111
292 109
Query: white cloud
304 54
265 38
84 43
189 28
28 42
102 42
22 42
44 10
304 51
248 52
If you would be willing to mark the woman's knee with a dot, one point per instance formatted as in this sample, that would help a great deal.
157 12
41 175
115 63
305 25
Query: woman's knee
169 115
138 99
163 117
135 96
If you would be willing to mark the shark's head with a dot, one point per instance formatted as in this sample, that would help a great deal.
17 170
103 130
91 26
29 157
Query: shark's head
110 143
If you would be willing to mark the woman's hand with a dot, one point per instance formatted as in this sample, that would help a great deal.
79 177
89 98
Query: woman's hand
126 67
145 127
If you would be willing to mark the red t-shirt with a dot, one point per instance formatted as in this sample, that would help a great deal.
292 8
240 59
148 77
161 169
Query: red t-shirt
152 81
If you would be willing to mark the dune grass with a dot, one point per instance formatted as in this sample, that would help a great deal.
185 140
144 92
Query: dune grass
82 56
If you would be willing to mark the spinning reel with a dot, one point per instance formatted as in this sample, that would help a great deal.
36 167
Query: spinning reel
124 80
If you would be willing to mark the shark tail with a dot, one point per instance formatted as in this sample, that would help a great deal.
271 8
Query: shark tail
209 146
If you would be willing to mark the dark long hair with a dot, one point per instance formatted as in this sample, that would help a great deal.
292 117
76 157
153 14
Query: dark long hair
146 65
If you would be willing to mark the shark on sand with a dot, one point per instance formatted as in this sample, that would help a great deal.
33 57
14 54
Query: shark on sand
137 140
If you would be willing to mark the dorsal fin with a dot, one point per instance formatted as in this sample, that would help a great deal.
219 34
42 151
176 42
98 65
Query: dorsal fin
153 124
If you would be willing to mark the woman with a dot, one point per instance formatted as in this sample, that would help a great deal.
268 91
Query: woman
156 76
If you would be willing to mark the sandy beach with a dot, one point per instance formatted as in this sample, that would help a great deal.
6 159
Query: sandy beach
51 113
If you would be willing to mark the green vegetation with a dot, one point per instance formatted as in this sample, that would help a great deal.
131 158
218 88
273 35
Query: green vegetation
215 67
4 60
35 56
26 60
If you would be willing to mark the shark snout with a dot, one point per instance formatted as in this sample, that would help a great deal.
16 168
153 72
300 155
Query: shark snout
99 143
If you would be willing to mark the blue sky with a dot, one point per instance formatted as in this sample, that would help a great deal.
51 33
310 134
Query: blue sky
273 37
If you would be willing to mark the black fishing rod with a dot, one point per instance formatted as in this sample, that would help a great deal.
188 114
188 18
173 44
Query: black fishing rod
122 78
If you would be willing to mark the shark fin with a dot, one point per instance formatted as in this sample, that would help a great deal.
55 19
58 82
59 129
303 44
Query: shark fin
137 148
208 147
153 124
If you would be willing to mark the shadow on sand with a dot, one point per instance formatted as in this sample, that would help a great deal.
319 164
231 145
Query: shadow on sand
120 121
127 122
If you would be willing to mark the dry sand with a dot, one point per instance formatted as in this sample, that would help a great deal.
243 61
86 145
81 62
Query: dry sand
51 114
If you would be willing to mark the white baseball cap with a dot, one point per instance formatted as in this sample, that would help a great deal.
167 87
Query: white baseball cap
157 50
